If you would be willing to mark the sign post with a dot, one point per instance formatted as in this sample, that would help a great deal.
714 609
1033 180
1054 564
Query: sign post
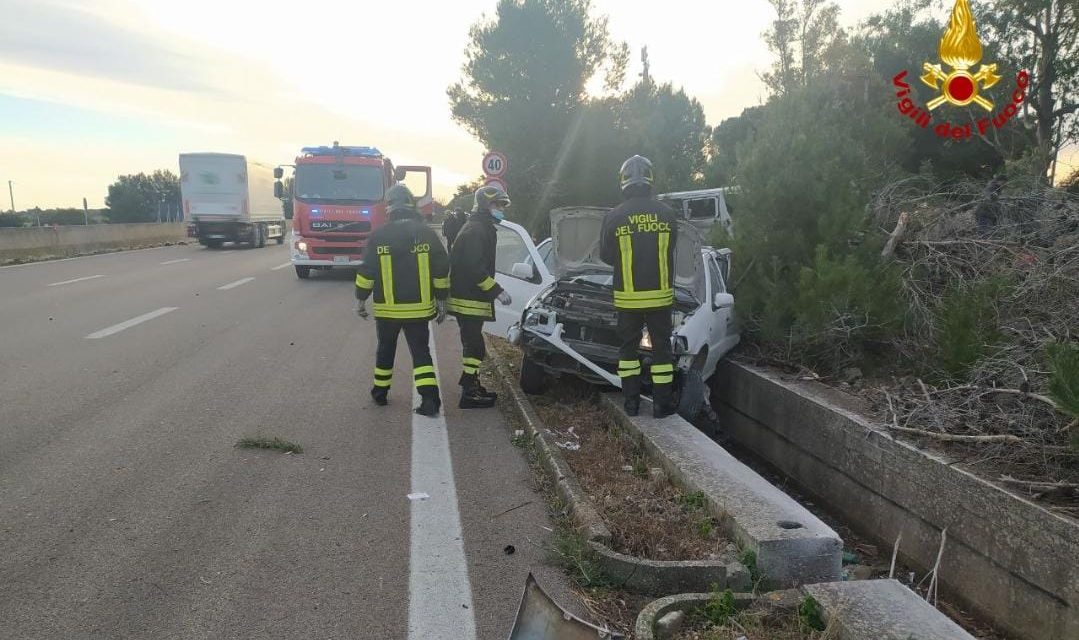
85 214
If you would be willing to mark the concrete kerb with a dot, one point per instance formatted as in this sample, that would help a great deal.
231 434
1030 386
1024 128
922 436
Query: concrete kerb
792 546
634 574
882 610
645 628
859 610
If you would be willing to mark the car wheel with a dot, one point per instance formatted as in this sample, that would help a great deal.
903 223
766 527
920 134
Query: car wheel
533 377
693 395
303 272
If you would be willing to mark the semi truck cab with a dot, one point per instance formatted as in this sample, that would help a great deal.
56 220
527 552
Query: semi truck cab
338 198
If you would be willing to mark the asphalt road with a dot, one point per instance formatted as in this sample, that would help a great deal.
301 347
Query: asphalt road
127 512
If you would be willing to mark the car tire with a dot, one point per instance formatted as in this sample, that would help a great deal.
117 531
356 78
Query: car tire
303 272
692 395
533 377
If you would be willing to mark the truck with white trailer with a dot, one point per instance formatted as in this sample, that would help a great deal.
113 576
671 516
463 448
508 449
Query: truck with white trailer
228 198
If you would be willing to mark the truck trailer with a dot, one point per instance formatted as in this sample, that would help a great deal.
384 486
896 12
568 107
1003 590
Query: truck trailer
229 198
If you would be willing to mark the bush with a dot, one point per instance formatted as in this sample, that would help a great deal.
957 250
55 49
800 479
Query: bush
966 326
13 220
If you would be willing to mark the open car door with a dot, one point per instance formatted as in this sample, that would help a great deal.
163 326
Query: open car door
520 270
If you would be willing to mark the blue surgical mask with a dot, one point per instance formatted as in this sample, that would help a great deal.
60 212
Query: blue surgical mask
498 214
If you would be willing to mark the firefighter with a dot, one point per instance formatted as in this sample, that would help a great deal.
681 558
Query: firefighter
406 271
473 289
638 240
451 226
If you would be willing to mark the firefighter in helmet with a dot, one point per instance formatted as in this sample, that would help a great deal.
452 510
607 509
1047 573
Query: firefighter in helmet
405 270
638 241
473 289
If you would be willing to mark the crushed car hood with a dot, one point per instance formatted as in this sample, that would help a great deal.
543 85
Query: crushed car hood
575 233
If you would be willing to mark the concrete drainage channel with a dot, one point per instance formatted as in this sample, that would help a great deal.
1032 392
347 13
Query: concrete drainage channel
790 546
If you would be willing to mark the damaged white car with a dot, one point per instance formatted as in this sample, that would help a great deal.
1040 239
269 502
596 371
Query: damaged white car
563 315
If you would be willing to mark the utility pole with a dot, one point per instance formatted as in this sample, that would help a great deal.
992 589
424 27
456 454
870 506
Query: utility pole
85 214
11 192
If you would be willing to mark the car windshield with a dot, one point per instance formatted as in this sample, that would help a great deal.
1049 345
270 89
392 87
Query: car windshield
336 183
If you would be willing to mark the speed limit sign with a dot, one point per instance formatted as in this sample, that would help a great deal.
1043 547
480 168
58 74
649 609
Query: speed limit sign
494 164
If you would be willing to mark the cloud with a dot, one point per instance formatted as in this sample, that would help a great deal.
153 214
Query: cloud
47 34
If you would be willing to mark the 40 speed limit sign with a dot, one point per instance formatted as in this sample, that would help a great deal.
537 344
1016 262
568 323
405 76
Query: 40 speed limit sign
494 164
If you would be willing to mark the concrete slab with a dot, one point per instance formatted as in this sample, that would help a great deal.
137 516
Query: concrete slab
792 546
882 610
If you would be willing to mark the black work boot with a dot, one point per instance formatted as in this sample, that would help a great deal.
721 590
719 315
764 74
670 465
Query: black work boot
662 404
484 392
379 394
430 404
631 395
474 398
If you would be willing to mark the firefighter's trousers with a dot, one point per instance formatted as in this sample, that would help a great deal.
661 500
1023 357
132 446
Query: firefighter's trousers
473 350
417 335
630 324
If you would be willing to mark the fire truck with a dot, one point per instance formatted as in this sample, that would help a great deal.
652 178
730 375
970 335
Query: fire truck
338 198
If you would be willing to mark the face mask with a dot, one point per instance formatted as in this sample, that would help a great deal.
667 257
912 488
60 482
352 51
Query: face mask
498 214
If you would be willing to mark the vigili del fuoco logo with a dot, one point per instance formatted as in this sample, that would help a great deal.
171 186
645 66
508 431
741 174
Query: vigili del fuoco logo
957 83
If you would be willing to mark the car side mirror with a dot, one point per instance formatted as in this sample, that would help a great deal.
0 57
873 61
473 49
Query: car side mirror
723 301
278 190
399 174
278 173
523 270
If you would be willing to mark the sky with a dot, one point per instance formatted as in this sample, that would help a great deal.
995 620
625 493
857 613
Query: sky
92 89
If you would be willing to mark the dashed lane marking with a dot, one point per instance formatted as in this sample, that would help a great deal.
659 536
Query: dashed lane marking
57 284
233 285
127 324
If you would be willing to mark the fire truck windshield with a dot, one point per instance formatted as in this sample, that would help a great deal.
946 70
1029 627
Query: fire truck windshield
319 183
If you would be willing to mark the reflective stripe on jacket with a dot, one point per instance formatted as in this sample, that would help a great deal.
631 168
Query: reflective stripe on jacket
638 240
405 269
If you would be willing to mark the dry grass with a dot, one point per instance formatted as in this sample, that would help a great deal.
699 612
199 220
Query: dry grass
761 621
649 517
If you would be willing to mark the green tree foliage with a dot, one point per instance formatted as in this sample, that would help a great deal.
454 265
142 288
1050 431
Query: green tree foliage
1042 36
731 133
807 176
523 87
1064 376
136 198
10 220
966 327
666 126
803 32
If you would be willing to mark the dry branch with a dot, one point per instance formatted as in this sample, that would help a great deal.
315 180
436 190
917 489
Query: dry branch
951 437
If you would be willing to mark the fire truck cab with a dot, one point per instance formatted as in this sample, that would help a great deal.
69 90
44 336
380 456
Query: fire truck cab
338 198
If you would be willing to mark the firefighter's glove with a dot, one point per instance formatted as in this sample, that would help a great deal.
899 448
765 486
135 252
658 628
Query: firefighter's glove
505 298
360 308
440 311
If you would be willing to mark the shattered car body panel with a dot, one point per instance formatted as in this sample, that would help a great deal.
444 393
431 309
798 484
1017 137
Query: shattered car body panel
541 618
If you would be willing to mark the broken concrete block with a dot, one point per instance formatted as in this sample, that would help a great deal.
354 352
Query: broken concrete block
879 609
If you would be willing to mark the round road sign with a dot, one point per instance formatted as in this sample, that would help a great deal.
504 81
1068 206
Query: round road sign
494 164
495 182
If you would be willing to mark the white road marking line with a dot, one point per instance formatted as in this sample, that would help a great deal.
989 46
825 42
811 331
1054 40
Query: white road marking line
281 266
127 324
439 591
57 284
233 285
177 261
